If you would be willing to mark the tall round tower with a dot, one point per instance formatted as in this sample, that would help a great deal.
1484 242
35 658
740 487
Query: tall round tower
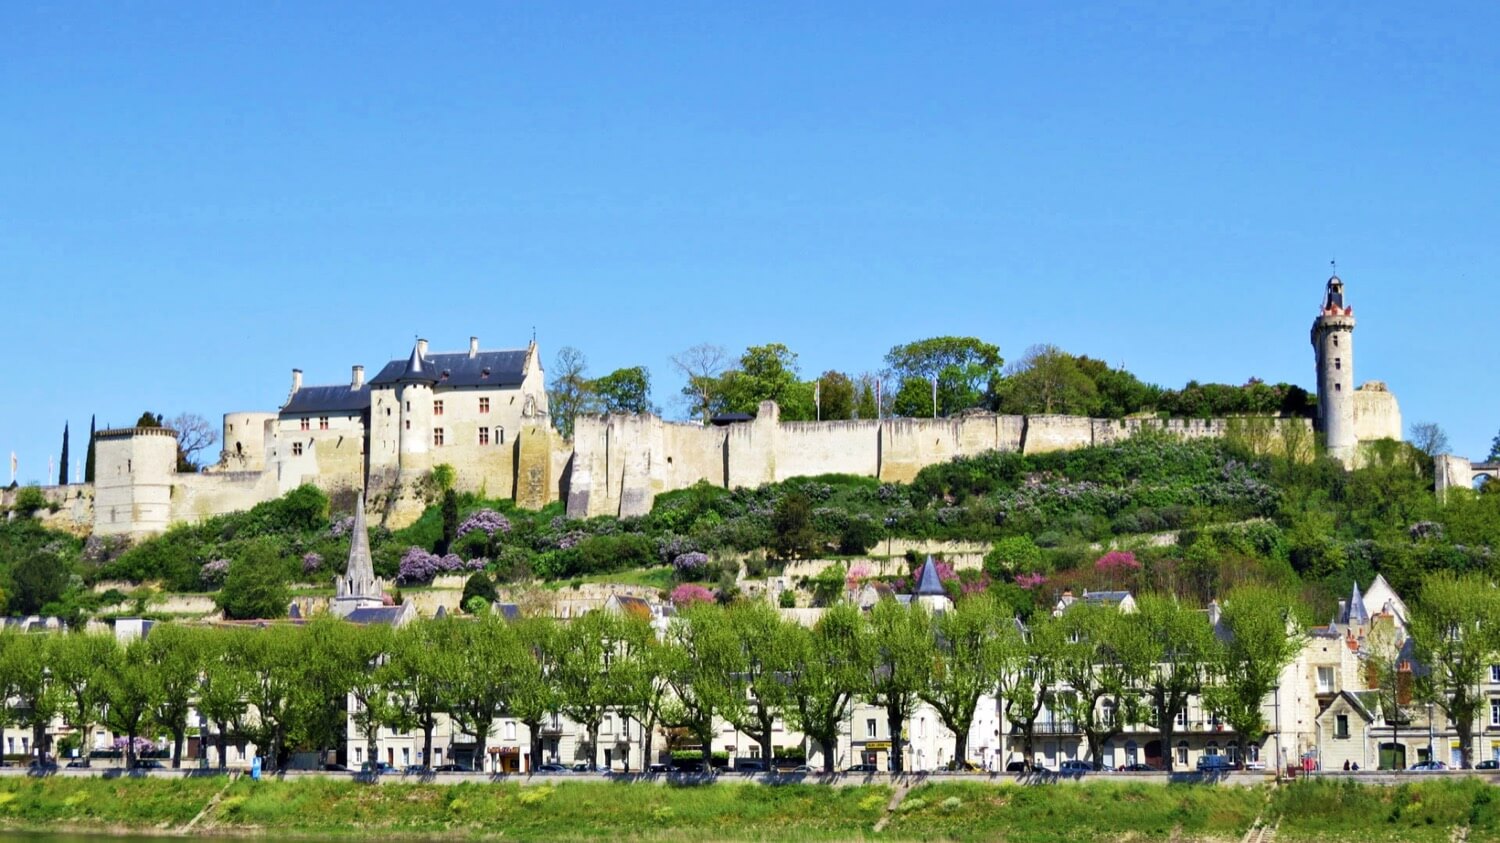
414 394
1333 346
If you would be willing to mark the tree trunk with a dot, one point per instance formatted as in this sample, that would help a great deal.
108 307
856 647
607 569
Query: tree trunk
427 727
1465 728
177 739
960 750
893 718
130 748
649 727
372 746
706 738
223 744
594 745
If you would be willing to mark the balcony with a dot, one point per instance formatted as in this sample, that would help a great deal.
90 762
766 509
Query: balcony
1057 727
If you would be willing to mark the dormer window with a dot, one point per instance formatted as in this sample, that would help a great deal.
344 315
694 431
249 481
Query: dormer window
485 372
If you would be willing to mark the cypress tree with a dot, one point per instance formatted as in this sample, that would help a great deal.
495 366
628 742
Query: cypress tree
62 473
88 460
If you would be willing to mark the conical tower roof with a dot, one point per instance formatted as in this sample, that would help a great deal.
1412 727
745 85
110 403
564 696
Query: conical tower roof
359 575
928 584
1357 613
416 370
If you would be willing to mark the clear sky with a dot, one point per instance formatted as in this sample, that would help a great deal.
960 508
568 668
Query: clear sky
197 197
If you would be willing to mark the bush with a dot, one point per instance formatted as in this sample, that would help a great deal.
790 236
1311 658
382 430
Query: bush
255 585
29 499
787 600
479 586
1009 555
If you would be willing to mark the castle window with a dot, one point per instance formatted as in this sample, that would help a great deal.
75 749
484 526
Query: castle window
408 406
1338 387
1335 340
437 408
1338 362
437 436
322 422
307 424
296 449
484 405
484 436
408 424
499 436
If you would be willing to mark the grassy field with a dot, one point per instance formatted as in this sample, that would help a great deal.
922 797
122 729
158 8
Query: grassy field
952 811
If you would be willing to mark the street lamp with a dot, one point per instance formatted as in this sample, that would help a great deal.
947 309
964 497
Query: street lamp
1431 737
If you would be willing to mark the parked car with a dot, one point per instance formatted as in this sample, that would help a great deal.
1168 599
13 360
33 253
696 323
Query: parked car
1214 764
688 766
1428 767
148 764
1255 765
335 768
658 768
1016 767
452 768
378 768
552 769
75 764
862 768
1491 764
747 765
1075 768
801 769
1137 768
42 765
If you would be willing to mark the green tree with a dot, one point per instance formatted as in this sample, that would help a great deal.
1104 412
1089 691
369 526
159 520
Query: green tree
375 682
903 652
149 419
1101 664
38 579
966 656
1494 454
587 684
1175 662
88 460
1456 627
124 678
32 700
702 367
1047 380
767 373
967 371
255 586
761 669
534 697
835 393
62 470
1263 638
568 394
624 391
1013 555
479 587
450 522
421 656
637 678
1118 393
224 685
829 666
795 536
273 660
76 662
489 652
1028 677
865 405
700 651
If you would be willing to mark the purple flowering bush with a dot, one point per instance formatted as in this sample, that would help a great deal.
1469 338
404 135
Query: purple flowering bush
212 573
690 565
311 561
342 527
688 593
420 566
486 521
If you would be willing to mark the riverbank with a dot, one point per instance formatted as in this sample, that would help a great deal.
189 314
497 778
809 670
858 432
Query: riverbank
1425 812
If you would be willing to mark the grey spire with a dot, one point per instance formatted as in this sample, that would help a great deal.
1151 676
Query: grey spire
416 367
359 575
928 584
1357 613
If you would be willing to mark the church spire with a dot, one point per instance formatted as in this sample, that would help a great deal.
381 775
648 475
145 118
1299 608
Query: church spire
358 587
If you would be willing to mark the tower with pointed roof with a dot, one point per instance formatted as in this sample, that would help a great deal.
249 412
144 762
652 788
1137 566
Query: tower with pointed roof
358 587
930 592
1333 347
414 400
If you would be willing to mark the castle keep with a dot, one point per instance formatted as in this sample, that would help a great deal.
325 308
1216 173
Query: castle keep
485 414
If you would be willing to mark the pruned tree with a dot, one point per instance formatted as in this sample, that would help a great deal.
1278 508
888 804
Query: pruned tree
194 435
965 658
903 653
624 391
1174 662
176 653
62 470
1429 438
568 393
830 665
701 367
1456 627
1263 638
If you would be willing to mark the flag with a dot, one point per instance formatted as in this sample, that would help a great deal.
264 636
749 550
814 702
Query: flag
12 466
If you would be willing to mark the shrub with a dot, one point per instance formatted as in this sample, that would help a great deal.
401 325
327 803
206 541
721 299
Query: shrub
255 586
479 587
691 565
29 499
787 600
688 593
1015 553
486 521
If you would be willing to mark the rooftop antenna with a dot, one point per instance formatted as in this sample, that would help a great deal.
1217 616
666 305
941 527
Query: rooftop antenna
1333 267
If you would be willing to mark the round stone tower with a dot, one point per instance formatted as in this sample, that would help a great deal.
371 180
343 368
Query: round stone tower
1333 346
414 396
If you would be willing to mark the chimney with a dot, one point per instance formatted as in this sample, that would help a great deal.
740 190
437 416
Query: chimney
473 347
296 379
422 348
358 379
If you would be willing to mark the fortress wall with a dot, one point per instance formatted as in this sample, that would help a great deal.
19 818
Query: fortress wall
74 502
693 453
750 450
196 497
635 462
909 445
837 447
534 481
1376 414
134 470
1057 433
586 478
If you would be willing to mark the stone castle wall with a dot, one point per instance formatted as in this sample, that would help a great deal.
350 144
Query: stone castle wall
621 463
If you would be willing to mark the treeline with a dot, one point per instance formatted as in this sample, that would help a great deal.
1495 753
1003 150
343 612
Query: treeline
939 376
285 687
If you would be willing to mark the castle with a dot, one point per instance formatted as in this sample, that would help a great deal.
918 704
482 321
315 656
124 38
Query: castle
485 414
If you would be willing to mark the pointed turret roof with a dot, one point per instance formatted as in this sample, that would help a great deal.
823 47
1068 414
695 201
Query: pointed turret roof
928 584
1357 613
417 370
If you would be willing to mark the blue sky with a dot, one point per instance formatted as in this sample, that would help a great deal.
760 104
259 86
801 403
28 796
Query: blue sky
195 198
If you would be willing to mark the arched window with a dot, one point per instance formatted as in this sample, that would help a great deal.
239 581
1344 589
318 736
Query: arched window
1182 752
1212 749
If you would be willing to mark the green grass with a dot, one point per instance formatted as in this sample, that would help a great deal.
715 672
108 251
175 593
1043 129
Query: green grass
1064 814
658 577
1423 812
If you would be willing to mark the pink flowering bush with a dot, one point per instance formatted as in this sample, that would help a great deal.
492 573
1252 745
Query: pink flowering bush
1030 581
1117 561
858 573
688 593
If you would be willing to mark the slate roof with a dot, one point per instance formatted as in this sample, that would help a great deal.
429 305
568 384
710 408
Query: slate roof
1109 598
340 398
387 615
487 368
928 584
